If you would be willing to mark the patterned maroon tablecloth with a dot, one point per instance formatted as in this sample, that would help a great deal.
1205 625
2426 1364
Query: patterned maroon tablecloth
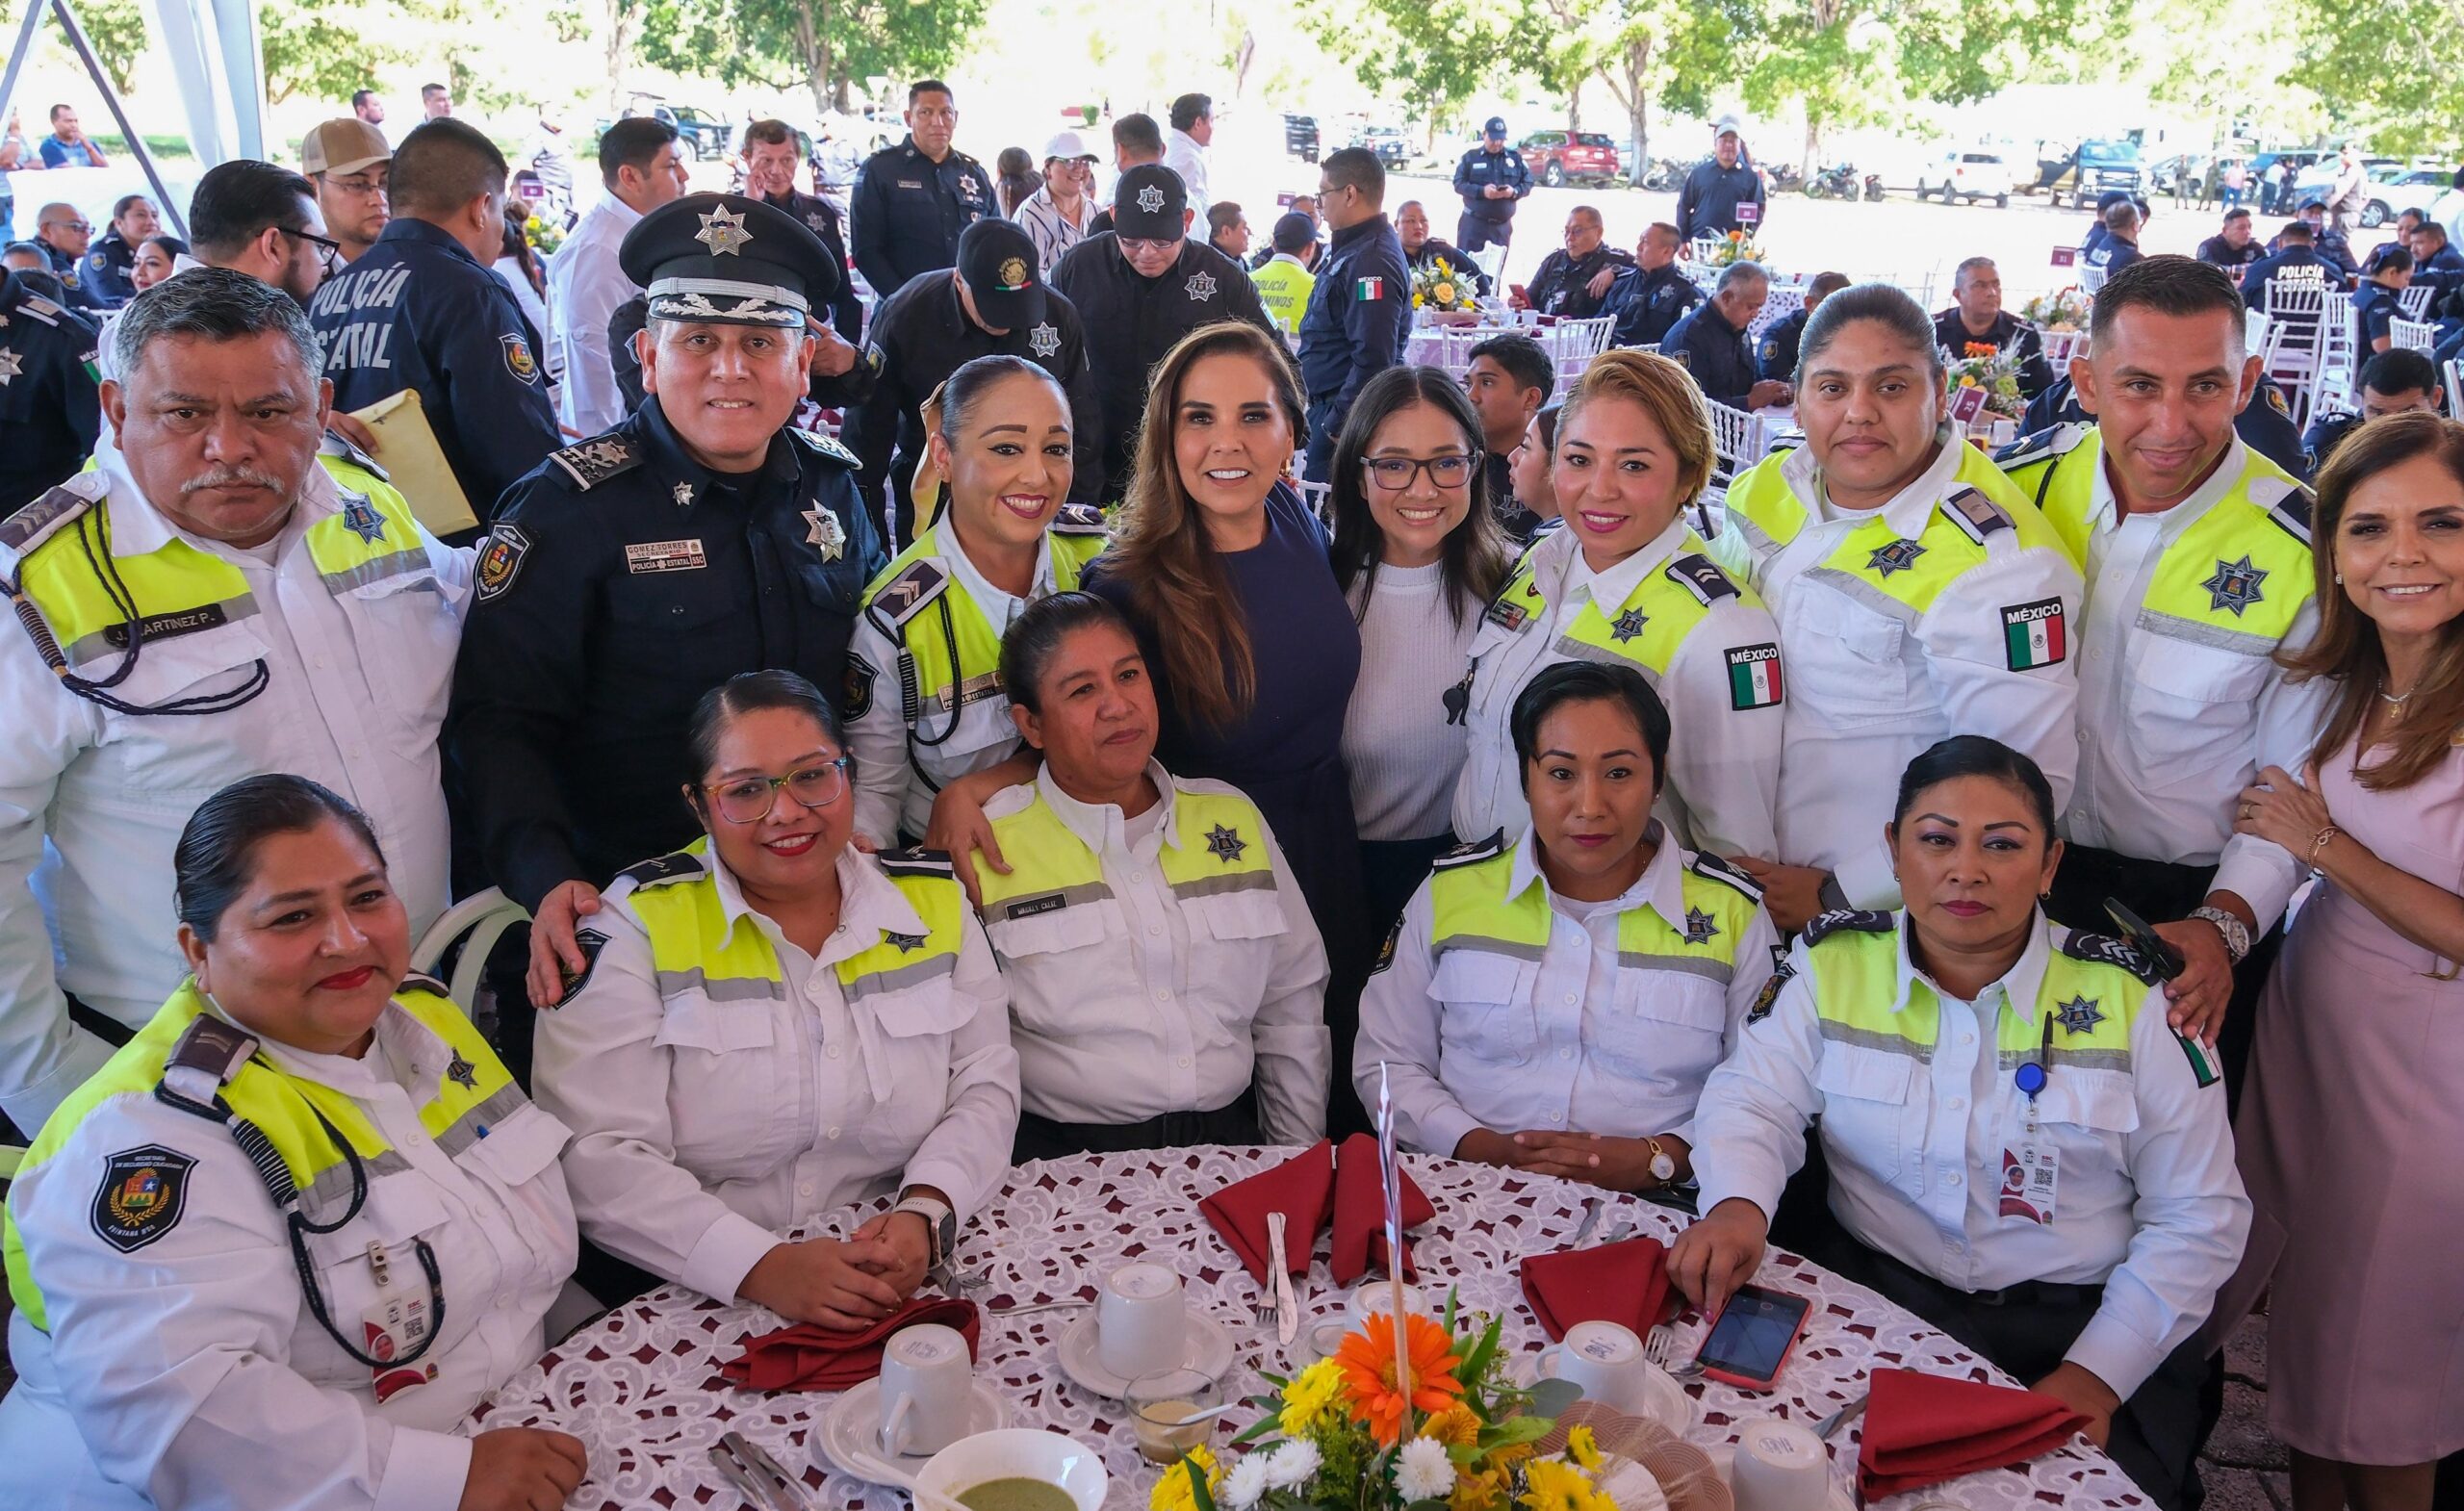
640 1387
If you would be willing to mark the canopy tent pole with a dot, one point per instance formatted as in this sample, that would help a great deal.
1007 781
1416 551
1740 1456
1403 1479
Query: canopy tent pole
85 50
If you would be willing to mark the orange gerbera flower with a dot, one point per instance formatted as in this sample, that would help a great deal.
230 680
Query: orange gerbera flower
1367 1360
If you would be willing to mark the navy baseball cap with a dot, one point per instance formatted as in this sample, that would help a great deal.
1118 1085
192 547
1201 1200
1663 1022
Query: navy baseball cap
729 261
1495 128
998 261
1294 231
1150 204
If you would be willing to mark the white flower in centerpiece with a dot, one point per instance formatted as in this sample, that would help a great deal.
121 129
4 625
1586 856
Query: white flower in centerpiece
1245 1485
1422 1472
1293 1465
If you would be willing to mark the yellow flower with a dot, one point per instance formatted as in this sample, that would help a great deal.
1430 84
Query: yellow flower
1445 293
1550 1485
1967 381
1173 1492
1476 1492
1582 1448
1311 1392
1458 1426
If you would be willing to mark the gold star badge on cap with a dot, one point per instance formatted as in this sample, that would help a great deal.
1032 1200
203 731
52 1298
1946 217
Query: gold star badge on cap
723 232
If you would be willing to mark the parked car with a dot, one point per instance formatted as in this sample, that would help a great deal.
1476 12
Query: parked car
2413 188
1557 158
2182 174
1970 176
1392 147
699 134
2104 166
2318 180
1300 136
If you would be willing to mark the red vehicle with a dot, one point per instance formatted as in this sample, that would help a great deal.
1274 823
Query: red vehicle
1557 158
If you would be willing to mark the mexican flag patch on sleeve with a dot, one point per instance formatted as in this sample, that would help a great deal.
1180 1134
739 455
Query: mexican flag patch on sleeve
2203 1065
2035 634
1753 676
1370 290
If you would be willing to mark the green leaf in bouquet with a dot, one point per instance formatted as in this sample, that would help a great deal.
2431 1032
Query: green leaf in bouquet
1550 1398
1477 1361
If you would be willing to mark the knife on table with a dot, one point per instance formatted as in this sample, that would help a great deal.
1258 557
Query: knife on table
1287 1309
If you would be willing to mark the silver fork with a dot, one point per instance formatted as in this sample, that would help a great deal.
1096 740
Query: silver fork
1265 1312
1661 1349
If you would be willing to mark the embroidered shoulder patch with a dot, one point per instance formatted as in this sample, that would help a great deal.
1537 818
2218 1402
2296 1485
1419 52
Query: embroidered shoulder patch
1474 853
1859 920
681 866
590 942
2104 949
856 698
500 558
1701 577
814 440
595 461
143 1193
1753 676
2035 634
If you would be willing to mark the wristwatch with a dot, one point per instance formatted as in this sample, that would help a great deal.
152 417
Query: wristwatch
940 1223
1663 1164
2237 934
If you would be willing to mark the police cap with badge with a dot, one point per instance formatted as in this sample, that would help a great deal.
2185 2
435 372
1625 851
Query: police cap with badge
997 264
1150 204
727 260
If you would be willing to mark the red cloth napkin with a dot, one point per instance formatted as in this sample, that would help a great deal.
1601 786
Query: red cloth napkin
809 1358
1622 1283
1360 1212
1300 1187
1921 1429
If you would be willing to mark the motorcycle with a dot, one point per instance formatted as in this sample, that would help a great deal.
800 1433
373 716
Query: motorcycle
1835 182
1665 175
1786 176
1874 187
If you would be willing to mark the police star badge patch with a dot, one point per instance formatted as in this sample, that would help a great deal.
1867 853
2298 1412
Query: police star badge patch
2079 1015
462 1073
1044 341
2235 585
1201 286
1225 844
1150 199
1700 927
10 365
1628 626
1897 556
723 232
140 1198
826 532
908 944
361 519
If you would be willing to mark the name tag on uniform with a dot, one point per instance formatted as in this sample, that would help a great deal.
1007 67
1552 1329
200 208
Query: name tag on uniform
2031 1176
665 555
911 183
392 1328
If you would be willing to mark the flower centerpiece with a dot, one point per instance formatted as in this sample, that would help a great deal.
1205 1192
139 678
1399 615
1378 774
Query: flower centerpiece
2064 310
1736 248
1431 1422
1981 364
544 233
1441 286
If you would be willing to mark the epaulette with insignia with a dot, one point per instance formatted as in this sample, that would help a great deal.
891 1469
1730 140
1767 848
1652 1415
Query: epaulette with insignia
596 460
902 597
2290 510
1860 920
1701 577
40 308
212 1047
827 447
335 446
1976 515
1474 853
421 980
681 866
37 521
1079 519
2103 949
1717 868
2038 445
916 862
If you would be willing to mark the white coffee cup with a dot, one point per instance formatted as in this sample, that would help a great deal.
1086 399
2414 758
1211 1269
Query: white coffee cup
1781 1466
926 1380
1140 1320
1602 1358
1376 1298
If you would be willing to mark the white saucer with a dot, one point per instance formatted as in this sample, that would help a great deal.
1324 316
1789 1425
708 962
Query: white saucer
1207 1350
1723 1457
1663 1401
848 1436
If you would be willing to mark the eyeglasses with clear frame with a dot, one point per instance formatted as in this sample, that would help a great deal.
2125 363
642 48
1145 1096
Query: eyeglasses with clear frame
749 800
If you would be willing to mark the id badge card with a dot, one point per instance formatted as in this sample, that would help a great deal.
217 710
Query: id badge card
2031 1180
390 1329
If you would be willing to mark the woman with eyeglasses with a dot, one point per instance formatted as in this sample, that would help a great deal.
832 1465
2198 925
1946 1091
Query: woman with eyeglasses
771 1024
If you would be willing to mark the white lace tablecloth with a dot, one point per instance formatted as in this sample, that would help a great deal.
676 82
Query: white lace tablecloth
640 1387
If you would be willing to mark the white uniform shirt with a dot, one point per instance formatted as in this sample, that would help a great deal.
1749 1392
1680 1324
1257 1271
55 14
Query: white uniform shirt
1575 1044
1053 232
1143 1004
585 286
2148 1203
895 785
1722 764
1869 689
192 1370
355 697
1183 155
2170 730
704 1129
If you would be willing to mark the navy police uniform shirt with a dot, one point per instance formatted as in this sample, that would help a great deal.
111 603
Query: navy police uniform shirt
1131 322
1716 352
2294 264
1776 353
1487 221
2326 433
1562 285
1707 206
1358 320
108 265
819 215
1433 251
2444 271
2264 424
619 582
1648 304
2114 254
1952 335
2336 250
75 283
49 416
2225 255
908 209
2374 306
417 311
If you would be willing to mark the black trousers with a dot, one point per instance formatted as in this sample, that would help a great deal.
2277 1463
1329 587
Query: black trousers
1044 1138
2025 1330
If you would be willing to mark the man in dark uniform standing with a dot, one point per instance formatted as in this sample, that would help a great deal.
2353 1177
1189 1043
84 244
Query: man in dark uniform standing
1493 179
1138 289
1722 194
1360 311
422 310
1711 341
994 302
770 176
913 201
2233 247
1976 318
49 413
1574 281
1650 300
1422 250
626 576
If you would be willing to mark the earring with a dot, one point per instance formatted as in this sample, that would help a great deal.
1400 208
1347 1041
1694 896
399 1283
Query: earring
2340 579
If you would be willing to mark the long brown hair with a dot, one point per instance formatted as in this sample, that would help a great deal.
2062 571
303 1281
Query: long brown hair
1473 560
1161 548
2347 647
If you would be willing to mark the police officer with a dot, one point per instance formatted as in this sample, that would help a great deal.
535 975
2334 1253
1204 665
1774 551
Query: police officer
913 199
2233 247
62 235
2375 307
2334 248
2096 232
1574 281
2391 383
283 1242
1360 309
1723 194
1776 353
1424 251
770 176
48 413
2264 424
1976 318
2296 261
628 575
1166 978
2021 1151
1649 302
2199 561
924 702
114 253
2435 260
1493 179
1918 594
422 311
1712 343
2120 246
995 301
1138 288
1284 280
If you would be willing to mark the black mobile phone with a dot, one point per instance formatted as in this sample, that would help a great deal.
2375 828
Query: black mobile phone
1753 1336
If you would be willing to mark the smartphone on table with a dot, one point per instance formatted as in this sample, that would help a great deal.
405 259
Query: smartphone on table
1753 1336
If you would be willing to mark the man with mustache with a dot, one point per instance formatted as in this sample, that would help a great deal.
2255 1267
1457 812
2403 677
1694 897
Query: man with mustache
205 603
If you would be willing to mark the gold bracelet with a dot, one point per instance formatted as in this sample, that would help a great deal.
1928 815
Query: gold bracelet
2326 836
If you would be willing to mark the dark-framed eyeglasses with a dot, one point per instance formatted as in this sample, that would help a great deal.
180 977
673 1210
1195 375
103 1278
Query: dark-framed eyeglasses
749 800
324 244
1395 473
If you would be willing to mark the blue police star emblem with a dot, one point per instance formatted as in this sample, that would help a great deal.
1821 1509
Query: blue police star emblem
723 232
1225 844
1699 927
1150 199
2079 1015
1628 626
361 519
1897 556
2235 585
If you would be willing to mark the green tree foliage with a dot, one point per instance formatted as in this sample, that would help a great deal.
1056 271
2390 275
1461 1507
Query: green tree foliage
323 49
116 29
1434 56
826 45
2391 71
1668 54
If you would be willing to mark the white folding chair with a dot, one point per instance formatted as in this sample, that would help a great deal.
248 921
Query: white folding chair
2254 330
1784 300
2091 279
2416 301
2411 335
482 917
1704 246
2061 347
1320 498
2453 371
1732 433
2299 338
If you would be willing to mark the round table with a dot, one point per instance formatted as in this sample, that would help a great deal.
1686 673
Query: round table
640 1386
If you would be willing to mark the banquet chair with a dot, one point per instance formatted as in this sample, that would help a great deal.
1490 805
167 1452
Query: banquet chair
2416 301
479 920
1319 499
1570 345
2092 279
2411 335
2299 338
2452 371
2060 346
1732 433
1704 246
